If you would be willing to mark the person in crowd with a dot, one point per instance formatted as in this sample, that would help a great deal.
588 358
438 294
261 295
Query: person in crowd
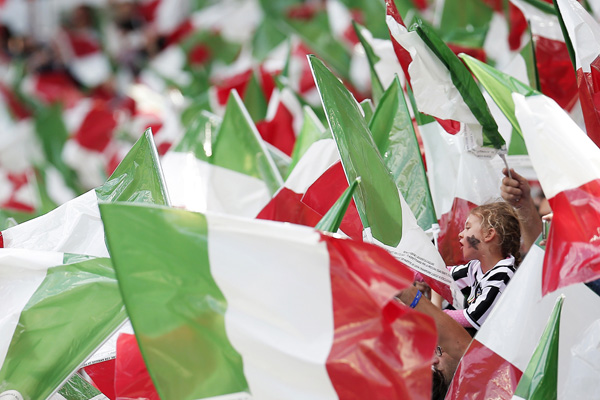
491 241
453 339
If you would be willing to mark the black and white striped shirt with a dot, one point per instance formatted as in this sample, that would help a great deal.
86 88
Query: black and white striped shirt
481 290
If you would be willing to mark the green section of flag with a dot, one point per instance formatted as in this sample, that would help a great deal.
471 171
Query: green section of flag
138 178
465 22
528 54
464 82
316 34
377 198
566 36
311 131
176 308
240 148
282 161
200 135
254 100
72 312
367 107
373 15
500 86
540 378
372 58
53 134
332 220
542 6
395 137
77 388
266 38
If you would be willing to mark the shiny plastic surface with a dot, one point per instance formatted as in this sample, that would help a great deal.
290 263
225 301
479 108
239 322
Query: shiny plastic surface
74 309
377 197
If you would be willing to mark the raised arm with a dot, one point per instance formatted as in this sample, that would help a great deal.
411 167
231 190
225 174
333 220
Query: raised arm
516 192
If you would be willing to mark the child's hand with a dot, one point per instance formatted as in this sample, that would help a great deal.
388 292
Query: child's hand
515 190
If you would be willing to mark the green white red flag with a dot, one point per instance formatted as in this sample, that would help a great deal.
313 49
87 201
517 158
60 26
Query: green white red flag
567 163
225 305
583 34
539 380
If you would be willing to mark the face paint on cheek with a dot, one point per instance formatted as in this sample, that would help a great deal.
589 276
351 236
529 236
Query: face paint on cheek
473 242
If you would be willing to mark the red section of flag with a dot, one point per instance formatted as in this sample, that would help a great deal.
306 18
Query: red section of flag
306 83
451 224
482 375
303 11
17 109
403 56
96 130
518 26
573 249
199 55
102 375
589 95
286 206
54 87
451 126
163 147
381 349
555 70
18 181
474 52
267 81
181 32
147 9
237 82
83 44
279 131
132 380
326 190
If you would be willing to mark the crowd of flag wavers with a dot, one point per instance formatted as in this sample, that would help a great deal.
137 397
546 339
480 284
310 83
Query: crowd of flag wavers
333 199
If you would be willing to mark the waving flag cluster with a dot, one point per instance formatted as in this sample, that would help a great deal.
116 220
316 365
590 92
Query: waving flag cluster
221 199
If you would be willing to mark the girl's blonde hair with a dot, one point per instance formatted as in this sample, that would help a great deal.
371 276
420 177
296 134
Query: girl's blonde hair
504 219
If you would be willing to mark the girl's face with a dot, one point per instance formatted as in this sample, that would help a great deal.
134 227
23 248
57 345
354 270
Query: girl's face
471 238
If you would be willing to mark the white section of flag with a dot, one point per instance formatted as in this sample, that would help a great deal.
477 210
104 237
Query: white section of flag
200 186
563 156
316 160
584 33
21 273
277 324
517 321
74 227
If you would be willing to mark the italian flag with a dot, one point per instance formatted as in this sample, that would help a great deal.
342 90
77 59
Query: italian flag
582 37
56 309
442 86
228 161
539 379
567 163
385 215
223 305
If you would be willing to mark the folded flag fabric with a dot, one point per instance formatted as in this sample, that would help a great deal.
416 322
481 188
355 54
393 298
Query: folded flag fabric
56 310
553 63
443 87
500 353
567 163
271 318
583 36
75 227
